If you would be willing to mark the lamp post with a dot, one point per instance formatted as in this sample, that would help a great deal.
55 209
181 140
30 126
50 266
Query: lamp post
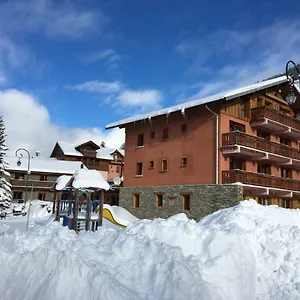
291 97
28 167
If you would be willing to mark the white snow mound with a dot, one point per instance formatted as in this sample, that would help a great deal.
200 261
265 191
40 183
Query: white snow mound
245 252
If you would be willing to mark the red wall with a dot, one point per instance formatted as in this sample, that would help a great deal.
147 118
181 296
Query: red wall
198 145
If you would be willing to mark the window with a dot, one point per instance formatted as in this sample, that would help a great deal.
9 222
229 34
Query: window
17 195
43 178
42 196
286 173
165 134
159 199
136 200
285 142
263 201
234 126
152 134
245 107
118 169
19 176
264 135
184 161
186 201
264 169
237 164
164 165
172 201
286 203
140 141
139 169
183 128
151 164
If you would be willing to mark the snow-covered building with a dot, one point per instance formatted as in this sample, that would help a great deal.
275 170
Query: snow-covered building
108 161
43 172
210 153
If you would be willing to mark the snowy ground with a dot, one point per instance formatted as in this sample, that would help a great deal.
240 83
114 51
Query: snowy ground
242 253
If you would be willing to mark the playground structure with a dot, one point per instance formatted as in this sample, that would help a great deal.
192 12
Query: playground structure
78 199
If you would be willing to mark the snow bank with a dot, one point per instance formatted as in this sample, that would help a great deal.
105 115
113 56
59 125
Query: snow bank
246 252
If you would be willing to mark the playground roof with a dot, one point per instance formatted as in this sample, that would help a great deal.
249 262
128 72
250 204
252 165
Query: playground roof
88 179
60 182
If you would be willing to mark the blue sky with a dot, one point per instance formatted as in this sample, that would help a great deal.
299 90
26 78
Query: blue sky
87 63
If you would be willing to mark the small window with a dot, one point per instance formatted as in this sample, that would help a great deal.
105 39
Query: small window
186 201
183 128
286 173
43 178
234 126
139 169
165 134
159 199
140 141
237 164
184 161
136 200
264 169
151 164
164 165
152 134
285 142
19 176
118 169
172 201
42 196
264 135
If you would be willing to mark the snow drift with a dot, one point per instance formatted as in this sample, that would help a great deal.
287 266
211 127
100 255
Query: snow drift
245 252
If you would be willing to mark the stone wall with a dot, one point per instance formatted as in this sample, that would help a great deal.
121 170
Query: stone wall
204 199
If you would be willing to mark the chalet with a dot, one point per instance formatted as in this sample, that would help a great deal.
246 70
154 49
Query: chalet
210 153
108 161
43 173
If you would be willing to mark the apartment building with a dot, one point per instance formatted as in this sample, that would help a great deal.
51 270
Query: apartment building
211 153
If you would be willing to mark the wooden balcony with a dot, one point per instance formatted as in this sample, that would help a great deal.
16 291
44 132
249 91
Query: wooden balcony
256 179
271 120
255 148
34 183
88 153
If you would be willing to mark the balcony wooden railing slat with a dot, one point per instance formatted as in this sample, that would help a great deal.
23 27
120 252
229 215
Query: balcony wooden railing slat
258 113
251 141
35 183
232 176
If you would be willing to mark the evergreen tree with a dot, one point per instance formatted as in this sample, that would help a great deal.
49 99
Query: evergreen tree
5 186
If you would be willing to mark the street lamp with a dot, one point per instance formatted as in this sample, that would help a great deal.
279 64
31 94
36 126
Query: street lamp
28 166
291 97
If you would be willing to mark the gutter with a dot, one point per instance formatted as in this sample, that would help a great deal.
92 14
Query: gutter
217 143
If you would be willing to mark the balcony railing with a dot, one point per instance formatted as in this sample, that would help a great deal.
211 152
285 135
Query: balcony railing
258 113
34 183
251 141
232 176
88 153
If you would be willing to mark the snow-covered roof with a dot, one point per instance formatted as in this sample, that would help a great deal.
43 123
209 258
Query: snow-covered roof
88 179
61 182
228 95
46 165
106 153
69 149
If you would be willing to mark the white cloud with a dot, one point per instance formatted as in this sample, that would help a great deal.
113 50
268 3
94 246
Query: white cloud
96 86
28 124
227 59
109 56
140 98
51 17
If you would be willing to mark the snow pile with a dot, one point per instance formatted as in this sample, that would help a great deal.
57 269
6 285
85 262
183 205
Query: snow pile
246 252
40 209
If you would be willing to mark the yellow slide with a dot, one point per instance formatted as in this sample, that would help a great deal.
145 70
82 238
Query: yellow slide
108 216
